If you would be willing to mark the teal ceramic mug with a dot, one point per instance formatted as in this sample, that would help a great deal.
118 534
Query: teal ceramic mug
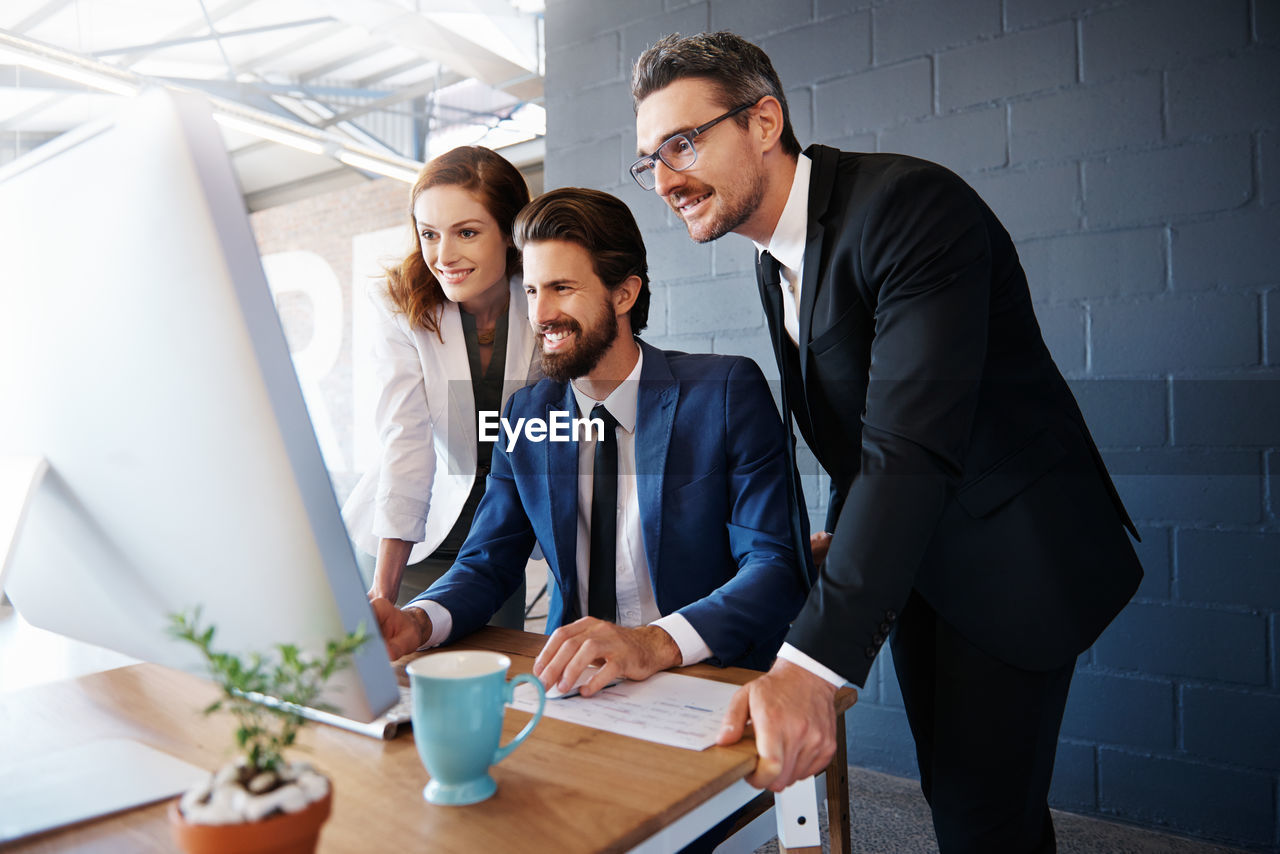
459 699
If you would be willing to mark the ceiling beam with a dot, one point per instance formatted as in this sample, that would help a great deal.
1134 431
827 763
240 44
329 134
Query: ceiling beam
402 67
417 90
197 25
265 89
227 34
390 21
298 44
249 94
342 61
39 16
349 128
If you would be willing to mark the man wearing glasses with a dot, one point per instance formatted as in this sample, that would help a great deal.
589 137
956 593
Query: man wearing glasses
972 522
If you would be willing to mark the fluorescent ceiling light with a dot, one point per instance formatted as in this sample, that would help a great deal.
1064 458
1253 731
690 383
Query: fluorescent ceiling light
85 76
266 131
381 167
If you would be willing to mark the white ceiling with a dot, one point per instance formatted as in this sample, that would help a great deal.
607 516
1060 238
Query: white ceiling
402 78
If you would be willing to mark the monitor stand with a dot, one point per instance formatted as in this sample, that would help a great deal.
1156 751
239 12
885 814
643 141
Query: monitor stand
88 780
19 478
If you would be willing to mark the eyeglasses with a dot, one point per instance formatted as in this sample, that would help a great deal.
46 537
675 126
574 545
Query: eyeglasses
678 152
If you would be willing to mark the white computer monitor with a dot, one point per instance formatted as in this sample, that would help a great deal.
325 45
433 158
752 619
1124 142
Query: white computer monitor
142 357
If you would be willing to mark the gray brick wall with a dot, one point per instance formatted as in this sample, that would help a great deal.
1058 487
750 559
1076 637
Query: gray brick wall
1132 148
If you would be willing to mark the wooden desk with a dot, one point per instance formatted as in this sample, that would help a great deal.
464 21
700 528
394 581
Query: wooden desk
567 789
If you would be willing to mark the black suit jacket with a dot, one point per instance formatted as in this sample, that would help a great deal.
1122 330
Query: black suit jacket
960 463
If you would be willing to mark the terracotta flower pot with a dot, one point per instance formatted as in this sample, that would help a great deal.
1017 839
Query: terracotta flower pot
287 833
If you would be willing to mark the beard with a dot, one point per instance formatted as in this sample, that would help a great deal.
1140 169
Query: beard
587 350
736 206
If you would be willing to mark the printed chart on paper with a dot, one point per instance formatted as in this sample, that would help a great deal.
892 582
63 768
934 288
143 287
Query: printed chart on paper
681 711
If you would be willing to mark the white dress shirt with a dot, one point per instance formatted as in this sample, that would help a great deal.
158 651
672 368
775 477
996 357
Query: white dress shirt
787 246
637 605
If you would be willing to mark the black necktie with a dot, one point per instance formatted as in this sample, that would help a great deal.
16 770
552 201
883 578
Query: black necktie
770 273
602 598
770 280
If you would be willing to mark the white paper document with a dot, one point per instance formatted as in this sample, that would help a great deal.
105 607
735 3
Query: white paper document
682 711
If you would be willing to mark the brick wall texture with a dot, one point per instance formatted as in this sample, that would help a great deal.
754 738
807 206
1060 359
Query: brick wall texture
1132 148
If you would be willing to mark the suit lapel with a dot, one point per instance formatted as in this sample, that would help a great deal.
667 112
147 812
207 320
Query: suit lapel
562 499
821 182
655 420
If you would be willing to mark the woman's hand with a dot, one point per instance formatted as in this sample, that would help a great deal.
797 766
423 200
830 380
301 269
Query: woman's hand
393 556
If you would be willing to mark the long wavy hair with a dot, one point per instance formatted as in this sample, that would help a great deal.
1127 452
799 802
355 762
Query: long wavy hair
498 185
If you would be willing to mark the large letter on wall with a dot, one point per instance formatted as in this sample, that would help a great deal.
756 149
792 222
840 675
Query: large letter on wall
371 253
308 274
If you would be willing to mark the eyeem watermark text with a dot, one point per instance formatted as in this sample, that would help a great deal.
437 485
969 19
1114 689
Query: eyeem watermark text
560 427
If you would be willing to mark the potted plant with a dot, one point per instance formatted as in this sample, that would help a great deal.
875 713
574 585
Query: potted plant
259 802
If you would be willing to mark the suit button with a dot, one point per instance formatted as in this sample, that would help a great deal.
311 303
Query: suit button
871 652
891 615
878 641
884 628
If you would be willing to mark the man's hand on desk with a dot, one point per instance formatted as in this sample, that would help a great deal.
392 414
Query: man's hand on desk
403 629
633 653
793 714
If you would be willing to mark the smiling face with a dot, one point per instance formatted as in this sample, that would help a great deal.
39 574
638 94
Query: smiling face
462 244
574 315
723 190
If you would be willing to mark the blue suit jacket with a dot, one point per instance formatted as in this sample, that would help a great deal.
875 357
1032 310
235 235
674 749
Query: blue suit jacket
713 505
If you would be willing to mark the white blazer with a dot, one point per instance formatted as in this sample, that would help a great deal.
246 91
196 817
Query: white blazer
426 418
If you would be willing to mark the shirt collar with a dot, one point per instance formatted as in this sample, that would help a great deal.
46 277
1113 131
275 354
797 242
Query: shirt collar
787 242
621 402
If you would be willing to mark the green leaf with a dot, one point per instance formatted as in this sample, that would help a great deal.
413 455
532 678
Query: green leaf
264 732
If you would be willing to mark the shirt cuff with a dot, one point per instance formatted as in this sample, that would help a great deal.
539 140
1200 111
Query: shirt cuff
692 647
796 657
399 518
441 621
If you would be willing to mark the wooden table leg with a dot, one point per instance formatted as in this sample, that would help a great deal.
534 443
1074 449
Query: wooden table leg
838 794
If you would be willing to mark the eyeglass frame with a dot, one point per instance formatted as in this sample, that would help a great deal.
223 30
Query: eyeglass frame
688 136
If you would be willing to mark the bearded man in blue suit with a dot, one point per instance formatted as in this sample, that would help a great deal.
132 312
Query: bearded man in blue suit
703 562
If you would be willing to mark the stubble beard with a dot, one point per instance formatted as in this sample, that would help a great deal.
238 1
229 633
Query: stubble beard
733 213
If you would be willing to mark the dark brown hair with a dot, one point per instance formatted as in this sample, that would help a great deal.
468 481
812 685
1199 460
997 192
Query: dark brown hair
500 188
741 72
601 224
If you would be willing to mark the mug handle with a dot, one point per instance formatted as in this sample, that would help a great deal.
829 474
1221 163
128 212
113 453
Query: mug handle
509 689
